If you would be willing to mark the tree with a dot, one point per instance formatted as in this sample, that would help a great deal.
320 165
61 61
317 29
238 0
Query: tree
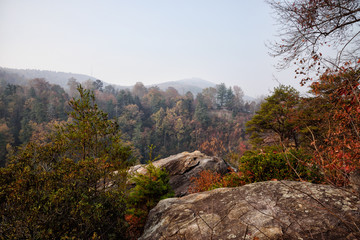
159 127
73 85
13 99
154 100
189 101
171 96
88 84
139 90
124 98
89 131
57 108
308 27
335 124
48 101
149 189
71 187
130 119
201 113
6 138
98 85
229 99
221 94
109 89
274 117
209 95
239 99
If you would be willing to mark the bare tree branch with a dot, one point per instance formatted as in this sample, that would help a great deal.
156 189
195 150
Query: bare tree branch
309 26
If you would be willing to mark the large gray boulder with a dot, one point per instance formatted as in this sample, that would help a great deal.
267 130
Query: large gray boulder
183 166
265 210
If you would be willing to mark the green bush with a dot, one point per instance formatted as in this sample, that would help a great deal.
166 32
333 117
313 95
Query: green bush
270 164
150 188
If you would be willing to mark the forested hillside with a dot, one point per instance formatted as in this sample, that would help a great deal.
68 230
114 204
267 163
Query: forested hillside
213 121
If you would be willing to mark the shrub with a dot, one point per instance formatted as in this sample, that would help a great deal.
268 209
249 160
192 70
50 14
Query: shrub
149 190
270 164
209 180
261 165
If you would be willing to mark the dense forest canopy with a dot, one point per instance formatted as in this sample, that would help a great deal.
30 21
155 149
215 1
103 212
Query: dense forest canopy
213 121
60 150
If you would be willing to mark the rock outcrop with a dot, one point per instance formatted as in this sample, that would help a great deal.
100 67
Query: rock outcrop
265 210
183 166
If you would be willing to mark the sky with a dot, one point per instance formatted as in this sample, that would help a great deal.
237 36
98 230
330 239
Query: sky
150 41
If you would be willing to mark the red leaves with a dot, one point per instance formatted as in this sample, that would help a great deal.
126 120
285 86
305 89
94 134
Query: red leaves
209 180
338 152
135 226
206 181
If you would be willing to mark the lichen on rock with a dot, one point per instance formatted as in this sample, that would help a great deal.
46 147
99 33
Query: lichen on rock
264 210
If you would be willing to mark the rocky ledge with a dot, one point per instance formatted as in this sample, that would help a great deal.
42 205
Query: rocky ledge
183 166
265 210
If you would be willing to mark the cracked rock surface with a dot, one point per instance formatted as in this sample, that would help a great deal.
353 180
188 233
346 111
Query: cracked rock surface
183 166
264 210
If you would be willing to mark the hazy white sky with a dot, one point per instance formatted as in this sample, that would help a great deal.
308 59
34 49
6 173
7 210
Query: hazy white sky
151 41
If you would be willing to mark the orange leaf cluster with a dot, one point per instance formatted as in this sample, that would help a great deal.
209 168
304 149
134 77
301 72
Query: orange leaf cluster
135 226
338 150
208 180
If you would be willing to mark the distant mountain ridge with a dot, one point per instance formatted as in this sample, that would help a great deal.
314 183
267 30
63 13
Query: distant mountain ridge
194 85
21 76
59 78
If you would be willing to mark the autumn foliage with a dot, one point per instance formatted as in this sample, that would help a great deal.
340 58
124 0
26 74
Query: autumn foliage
268 164
135 225
321 38
326 125
337 149
208 180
